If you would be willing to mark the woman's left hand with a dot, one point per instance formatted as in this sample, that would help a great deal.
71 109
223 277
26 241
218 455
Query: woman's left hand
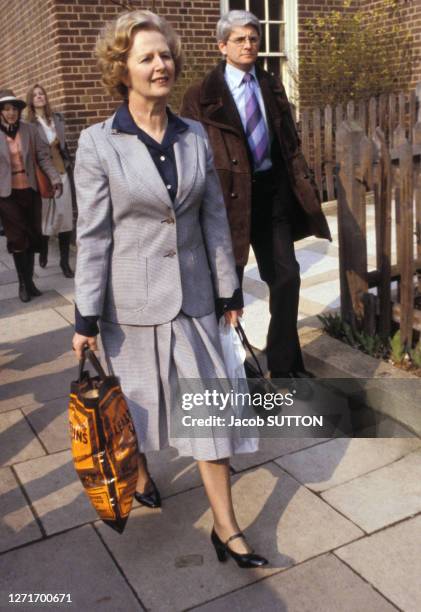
231 316
58 190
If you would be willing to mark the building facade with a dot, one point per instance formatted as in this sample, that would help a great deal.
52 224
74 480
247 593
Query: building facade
51 42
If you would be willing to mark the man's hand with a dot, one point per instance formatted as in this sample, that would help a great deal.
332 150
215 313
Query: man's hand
58 190
231 316
79 342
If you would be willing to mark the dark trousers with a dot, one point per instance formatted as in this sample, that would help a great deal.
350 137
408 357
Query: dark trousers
21 217
271 239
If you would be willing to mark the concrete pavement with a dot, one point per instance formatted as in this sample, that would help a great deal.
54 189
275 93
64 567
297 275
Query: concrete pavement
340 519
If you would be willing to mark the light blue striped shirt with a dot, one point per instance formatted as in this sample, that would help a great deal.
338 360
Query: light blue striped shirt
234 79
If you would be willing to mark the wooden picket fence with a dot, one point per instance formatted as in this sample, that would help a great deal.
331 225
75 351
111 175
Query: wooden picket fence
389 166
394 114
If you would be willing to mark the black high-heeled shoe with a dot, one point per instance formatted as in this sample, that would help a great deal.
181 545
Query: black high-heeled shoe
151 499
243 560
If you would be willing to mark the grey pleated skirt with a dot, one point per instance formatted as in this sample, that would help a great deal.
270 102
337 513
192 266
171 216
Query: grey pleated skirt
150 361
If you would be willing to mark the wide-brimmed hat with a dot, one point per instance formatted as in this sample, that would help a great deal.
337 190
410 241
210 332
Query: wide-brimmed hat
7 95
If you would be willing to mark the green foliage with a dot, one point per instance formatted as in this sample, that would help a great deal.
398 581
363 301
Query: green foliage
415 355
354 54
397 351
372 345
332 324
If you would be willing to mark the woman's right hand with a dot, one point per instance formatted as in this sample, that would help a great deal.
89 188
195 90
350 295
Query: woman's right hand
79 342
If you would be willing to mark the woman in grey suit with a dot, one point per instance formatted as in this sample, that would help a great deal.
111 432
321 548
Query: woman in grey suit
20 205
57 213
154 249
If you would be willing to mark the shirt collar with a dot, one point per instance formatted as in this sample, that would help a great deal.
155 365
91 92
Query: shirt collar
124 122
234 76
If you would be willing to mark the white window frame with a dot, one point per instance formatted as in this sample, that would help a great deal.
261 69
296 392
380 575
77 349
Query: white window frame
291 41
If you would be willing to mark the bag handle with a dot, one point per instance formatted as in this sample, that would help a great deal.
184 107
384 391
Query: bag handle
88 353
242 334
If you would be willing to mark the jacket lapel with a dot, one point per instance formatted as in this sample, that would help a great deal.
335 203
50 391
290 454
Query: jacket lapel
219 108
268 94
185 151
25 139
4 147
137 159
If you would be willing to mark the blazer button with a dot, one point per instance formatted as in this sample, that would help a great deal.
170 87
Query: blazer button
234 162
234 195
170 254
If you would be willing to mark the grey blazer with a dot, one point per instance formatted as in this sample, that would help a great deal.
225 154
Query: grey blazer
59 126
32 145
141 257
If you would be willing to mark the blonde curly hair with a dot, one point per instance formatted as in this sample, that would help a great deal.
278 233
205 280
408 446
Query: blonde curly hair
116 39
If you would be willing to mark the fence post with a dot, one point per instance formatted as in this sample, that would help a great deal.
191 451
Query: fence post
328 165
416 140
405 242
383 208
351 146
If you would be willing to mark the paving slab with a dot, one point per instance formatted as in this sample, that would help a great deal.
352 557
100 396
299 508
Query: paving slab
50 421
271 448
310 587
163 551
7 276
17 440
76 563
36 358
22 327
8 293
382 497
391 561
56 492
13 306
67 312
17 523
62 285
172 473
38 384
324 466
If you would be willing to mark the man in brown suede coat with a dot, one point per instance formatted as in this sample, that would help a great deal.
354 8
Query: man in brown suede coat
269 191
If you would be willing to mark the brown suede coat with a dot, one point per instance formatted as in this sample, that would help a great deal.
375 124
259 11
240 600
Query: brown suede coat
211 103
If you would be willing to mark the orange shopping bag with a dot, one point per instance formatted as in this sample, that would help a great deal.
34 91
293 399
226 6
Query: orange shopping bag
104 444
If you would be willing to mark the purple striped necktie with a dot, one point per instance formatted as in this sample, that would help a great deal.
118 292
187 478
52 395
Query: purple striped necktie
256 131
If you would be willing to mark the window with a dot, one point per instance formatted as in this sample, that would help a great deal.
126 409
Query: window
278 49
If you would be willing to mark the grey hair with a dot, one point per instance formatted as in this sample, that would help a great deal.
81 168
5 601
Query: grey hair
234 19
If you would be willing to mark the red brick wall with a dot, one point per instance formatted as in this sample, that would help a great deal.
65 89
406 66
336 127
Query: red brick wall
409 15
58 50
410 18
308 10
29 48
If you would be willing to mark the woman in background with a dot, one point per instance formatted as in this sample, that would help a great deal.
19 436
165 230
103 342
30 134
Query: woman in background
57 216
20 203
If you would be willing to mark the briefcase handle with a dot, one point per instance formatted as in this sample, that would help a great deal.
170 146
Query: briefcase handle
242 334
88 353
